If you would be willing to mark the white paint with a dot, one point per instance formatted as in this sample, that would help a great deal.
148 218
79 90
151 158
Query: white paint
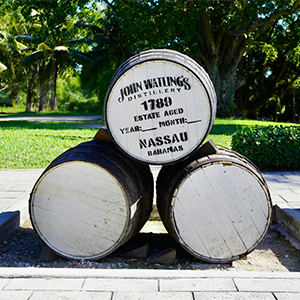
221 211
131 119
80 210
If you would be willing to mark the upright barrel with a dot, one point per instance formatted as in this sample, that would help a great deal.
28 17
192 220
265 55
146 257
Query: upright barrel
91 200
217 207
160 106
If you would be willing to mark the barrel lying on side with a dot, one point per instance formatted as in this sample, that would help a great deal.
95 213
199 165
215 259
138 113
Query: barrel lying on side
218 207
160 106
91 200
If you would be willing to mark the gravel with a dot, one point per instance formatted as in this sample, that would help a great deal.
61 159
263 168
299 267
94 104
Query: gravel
23 249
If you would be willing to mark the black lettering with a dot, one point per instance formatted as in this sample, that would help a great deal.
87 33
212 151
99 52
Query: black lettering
139 86
183 136
175 139
155 84
187 85
151 143
121 99
167 139
143 143
148 84
172 81
126 91
159 141
179 81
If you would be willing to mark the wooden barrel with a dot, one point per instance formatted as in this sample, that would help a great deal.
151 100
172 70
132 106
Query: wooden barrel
160 106
91 200
218 207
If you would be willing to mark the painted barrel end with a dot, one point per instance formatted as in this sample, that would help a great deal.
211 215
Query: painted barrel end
160 106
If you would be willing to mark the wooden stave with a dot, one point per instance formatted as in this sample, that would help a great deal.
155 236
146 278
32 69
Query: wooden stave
186 62
167 54
171 176
141 173
138 174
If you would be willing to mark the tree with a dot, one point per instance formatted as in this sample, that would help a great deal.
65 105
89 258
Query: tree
217 33
12 72
271 64
51 37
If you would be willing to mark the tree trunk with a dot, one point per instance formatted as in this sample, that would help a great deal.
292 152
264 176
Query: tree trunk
294 112
42 96
30 91
277 108
41 88
53 95
225 84
220 57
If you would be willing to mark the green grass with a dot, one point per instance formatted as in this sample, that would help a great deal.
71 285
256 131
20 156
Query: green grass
13 112
26 145
4 110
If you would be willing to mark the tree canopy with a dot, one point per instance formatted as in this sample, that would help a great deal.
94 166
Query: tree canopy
250 49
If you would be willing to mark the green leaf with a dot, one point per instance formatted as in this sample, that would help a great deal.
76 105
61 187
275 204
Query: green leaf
61 48
33 58
43 47
2 67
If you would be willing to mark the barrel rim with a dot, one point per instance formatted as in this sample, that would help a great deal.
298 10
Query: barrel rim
164 54
212 110
59 252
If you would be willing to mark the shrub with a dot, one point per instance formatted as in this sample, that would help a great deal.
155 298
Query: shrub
269 148
71 97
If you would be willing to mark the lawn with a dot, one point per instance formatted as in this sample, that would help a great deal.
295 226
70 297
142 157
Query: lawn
27 145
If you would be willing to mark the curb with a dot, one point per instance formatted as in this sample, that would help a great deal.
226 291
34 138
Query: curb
136 273
13 218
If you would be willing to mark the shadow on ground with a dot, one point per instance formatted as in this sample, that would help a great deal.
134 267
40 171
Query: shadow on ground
23 248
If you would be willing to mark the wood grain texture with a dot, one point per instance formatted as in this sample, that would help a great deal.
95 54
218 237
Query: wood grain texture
80 209
217 207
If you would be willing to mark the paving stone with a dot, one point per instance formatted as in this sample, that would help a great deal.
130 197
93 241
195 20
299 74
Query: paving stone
46 284
268 285
11 194
123 284
15 295
6 203
287 296
233 296
3 283
71 296
277 199
197 284
153 296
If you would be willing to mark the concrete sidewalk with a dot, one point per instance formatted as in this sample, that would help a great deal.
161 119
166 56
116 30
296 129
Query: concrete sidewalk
53 118
84 284
285 194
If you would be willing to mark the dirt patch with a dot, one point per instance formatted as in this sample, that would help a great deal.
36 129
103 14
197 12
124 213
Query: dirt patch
275 254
